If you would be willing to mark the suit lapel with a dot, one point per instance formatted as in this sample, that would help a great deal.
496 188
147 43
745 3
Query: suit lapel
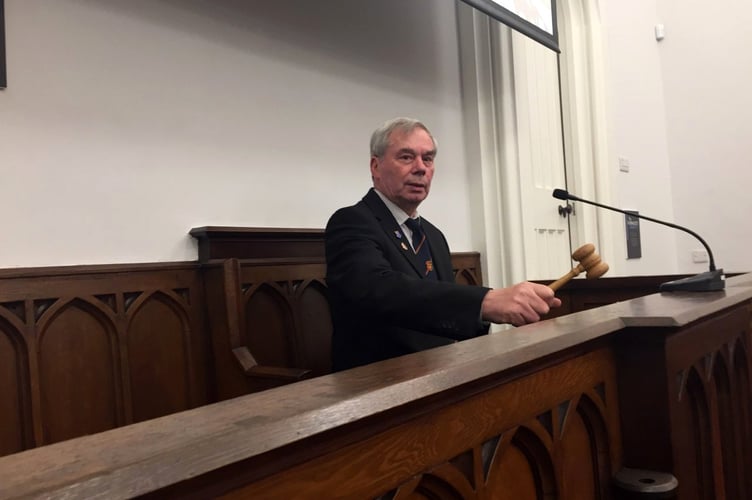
393 231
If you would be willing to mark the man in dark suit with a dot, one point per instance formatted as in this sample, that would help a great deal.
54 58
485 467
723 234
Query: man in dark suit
389 271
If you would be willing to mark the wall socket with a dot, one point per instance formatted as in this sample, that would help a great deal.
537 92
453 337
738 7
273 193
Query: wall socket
699 256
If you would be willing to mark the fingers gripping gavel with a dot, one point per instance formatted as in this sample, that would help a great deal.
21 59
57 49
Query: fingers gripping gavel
589 261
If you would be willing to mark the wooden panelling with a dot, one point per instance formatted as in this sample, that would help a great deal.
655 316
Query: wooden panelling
78 366
159 347
16 429
271 323
530 413
705 411
267 304
549 410
89 348
399 429
696 382
467 270
497 444
86 349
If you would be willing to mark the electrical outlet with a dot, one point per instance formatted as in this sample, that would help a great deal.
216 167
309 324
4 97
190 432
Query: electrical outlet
699 256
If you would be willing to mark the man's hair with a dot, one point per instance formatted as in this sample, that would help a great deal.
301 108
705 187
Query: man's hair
380 136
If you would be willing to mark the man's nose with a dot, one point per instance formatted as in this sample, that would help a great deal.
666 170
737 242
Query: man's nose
419 167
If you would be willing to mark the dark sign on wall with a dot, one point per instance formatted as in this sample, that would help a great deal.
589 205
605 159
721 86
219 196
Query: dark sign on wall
634 246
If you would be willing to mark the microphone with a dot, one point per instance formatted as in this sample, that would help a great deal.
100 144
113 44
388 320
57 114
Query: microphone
709 281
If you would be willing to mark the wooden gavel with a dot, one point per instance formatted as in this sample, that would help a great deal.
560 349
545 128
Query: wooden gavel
589 261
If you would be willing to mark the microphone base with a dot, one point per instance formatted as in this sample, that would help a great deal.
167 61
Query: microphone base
709 281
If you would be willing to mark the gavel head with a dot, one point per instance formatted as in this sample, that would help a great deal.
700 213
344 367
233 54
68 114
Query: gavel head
590 262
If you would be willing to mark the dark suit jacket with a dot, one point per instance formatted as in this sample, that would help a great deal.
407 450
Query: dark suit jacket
382 306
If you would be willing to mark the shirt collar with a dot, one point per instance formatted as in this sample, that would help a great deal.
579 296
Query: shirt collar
399 215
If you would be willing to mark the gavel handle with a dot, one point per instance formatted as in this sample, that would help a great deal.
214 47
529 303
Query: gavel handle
565 279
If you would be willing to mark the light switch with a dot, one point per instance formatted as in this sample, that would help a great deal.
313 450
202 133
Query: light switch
660 32
623 164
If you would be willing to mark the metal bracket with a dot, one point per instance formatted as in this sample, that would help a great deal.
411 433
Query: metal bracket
565 211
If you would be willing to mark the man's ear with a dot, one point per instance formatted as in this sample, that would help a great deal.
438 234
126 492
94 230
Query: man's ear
374 166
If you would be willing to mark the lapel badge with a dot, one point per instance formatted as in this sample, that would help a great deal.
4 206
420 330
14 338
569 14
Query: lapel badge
398 234
404 247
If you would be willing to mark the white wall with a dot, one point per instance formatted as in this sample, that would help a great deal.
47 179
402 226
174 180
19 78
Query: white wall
128 122
679 113
706 62
637 133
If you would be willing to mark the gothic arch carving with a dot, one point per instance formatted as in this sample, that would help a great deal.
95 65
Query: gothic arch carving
315 328
269 325
16 428
79 370
158 349
523 465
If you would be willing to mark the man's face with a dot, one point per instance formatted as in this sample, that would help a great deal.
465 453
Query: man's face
403 174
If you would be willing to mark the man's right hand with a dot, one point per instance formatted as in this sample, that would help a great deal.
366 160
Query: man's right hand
519 304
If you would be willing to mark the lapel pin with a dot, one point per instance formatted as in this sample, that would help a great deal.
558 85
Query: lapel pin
404 247
398 234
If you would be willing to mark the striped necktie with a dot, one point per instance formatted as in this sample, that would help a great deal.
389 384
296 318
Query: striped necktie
421 248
